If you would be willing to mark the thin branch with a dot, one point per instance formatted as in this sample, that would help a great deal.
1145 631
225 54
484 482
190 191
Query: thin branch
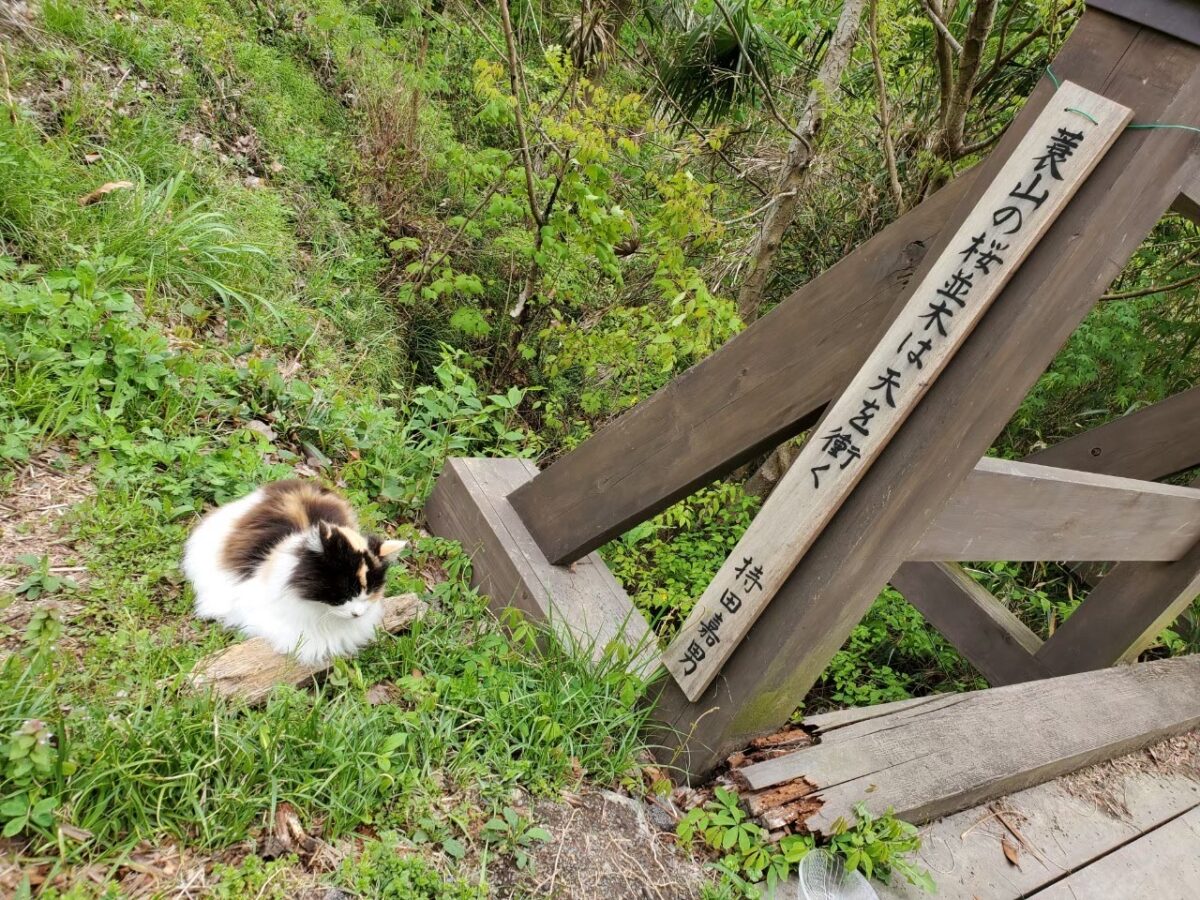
1157 289
1002 61
526 157
968 149
941 27
767 95
885 118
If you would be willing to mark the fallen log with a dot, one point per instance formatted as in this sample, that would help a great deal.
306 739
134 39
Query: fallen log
250 669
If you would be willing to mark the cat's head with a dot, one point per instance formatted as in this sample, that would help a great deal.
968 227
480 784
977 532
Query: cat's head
343 569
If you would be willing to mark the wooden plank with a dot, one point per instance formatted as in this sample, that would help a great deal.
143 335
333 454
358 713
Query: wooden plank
1071 135
250 669
828 723
1020 511
970 404
753 393
979 626
991 743
583 604
1153 442
1178 18
1067 832
1162 864
1187 204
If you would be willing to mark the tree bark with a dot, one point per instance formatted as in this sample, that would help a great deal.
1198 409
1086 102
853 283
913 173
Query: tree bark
794 174
885 117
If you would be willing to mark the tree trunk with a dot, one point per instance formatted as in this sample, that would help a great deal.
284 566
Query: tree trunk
795 170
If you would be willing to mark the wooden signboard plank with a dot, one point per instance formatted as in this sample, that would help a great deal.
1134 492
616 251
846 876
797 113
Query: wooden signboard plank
1053 159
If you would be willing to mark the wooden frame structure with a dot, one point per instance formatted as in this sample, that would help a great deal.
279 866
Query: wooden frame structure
930 498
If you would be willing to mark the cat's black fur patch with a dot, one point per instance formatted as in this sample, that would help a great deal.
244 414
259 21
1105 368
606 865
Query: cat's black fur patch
289 507
337 572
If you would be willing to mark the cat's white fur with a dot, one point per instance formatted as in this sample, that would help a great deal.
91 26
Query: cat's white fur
263 605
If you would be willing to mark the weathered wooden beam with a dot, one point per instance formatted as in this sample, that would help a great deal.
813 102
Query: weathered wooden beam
249 670
584 604
1187 204
1025 512
1123 614
927 764
765 385
972 401
1152 442
979 626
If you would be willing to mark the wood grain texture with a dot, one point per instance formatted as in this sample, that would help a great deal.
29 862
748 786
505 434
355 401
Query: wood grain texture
1152 442
1123 614
583 603
1018 511
1187 204
874 531
753 393
991 743
994 237
1162 864
1068 833
250 670
979 626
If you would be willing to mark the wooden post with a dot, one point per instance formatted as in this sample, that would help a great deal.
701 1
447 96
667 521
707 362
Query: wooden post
970 403
971 618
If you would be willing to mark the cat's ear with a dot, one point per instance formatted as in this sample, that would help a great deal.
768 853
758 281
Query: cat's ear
391 548
326 530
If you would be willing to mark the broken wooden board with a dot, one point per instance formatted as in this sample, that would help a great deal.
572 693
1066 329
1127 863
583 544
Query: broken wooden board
1053 159
250 669
932 759
1062 830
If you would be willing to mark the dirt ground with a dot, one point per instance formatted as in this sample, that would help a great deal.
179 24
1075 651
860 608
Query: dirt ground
33 521
606 847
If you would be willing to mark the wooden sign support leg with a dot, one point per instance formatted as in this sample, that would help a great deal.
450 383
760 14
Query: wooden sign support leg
970 403
1123 614
1153 442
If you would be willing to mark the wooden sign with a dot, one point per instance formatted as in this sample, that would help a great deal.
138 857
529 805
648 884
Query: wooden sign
1069 137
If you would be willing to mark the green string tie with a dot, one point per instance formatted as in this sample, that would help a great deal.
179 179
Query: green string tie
1144 127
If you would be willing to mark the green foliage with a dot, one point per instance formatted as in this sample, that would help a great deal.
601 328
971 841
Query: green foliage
515 835
39 581
879 845
34 758
666 562
745 854
389 870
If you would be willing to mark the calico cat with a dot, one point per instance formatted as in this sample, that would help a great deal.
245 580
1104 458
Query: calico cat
288 563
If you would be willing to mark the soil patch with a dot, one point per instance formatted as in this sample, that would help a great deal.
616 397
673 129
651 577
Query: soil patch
604 847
